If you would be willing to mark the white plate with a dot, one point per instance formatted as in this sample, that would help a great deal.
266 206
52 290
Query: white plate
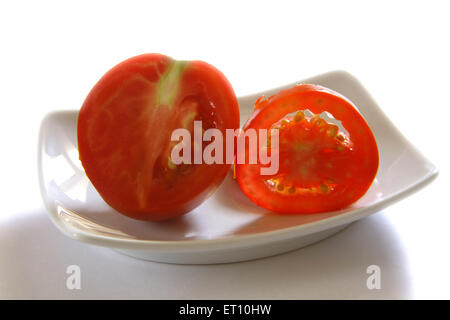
227 227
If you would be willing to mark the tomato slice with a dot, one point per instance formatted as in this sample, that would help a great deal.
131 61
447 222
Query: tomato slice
125 127
325 164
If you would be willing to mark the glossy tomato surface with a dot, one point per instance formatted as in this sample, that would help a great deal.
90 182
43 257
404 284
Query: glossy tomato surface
328 156
125 127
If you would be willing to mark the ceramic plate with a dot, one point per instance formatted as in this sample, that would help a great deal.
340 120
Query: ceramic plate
227 227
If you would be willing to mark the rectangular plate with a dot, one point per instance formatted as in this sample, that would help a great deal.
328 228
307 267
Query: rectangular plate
227 227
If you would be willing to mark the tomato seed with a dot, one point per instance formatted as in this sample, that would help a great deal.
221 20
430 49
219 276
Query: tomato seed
299 116
318 121
332 130
324 188
170 164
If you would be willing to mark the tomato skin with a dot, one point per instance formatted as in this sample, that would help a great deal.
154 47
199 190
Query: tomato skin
124 130
354 168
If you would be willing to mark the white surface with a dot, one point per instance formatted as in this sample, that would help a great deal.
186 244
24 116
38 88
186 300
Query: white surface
52 53
227 227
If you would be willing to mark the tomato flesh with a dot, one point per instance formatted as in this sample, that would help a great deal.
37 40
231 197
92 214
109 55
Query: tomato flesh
125 127
323 165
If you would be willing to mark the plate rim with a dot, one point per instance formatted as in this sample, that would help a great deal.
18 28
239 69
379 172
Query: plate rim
259 237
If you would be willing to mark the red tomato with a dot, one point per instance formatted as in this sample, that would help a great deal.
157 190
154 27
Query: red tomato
322 167
125 127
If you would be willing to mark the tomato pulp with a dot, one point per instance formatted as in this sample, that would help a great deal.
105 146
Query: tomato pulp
324 165
125 127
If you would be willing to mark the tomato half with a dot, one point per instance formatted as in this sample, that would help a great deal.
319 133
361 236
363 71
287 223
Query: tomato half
125 127
324 165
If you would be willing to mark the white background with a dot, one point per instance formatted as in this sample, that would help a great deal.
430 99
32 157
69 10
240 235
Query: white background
52 53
